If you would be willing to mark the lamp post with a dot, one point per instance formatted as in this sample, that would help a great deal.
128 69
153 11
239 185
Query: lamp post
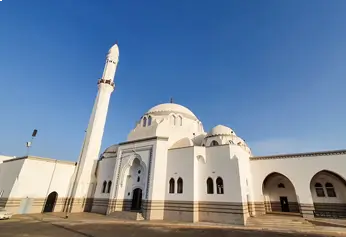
29 144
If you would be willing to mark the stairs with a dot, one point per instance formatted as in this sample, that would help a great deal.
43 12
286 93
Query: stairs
127 215
271 221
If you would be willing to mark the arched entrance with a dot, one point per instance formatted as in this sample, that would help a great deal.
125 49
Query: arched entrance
50 202
279 194
328 191
137 199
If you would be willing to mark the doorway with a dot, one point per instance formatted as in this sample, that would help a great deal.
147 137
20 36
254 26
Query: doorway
284 204
136 199
50 202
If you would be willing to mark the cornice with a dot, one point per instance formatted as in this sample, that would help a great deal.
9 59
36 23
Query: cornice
144 140
299 155
41 159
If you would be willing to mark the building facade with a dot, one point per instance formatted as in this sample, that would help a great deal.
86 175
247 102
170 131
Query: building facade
170 168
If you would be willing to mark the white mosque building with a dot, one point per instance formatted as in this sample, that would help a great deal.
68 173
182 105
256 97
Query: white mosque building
170 168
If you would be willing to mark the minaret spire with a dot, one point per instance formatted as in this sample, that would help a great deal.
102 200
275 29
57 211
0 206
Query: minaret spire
85 180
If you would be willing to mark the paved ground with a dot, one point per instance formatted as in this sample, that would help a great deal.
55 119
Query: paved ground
101 226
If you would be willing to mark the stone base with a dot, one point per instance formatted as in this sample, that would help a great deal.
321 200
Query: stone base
179 211
37 205
223 212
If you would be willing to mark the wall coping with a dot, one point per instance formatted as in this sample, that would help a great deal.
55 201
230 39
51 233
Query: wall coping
144 139
42 159
299 155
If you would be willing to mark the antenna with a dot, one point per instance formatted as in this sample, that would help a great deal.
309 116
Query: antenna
29 144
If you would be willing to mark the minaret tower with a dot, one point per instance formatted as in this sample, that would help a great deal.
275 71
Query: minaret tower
85 180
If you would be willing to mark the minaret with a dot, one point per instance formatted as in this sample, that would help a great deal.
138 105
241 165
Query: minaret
85 180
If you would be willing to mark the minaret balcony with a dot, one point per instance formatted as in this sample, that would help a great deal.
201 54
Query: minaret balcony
109 82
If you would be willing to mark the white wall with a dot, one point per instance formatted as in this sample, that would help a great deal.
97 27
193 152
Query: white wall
105 172
219 163
180 164
9 172
299 171
158 172
39 177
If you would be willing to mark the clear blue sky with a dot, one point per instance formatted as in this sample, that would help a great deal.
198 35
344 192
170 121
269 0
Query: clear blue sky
274 71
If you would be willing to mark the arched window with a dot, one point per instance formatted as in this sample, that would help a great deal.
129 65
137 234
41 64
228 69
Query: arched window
180 185
149 120
219 185
281 185
174 120
144 121
180 121
104 186
109 186
330 190
171 185
214 143
319 190
138 179
210 186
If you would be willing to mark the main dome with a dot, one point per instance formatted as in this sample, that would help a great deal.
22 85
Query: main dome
171 108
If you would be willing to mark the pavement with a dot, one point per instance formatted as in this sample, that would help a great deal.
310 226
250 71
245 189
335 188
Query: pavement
94 225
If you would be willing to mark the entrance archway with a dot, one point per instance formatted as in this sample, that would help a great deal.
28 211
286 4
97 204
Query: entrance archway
137 199
50 202
279 194
328 191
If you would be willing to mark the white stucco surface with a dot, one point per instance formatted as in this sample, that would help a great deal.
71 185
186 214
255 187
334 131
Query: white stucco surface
169 142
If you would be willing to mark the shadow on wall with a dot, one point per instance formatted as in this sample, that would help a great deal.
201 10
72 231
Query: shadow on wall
8 179
279 194
85 203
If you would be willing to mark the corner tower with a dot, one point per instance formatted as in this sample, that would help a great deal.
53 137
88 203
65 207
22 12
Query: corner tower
85 180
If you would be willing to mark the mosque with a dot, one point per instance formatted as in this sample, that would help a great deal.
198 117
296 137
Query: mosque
171 169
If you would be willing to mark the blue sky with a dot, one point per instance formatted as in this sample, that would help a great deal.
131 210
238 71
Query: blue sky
274 71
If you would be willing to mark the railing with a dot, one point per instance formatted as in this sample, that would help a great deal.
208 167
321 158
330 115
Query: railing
330 214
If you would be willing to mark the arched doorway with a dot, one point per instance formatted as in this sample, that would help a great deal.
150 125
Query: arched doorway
137 199
50 202
328 191
279 194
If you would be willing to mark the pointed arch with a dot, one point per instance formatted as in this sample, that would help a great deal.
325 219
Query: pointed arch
210 186
278 199
219 185
328 191
171 185
149 120
104 186
180 185
319 190
180 121
174 120
214 143
144 121
109 185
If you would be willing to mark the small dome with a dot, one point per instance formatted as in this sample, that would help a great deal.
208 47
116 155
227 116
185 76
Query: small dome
221 130
114 51
171 108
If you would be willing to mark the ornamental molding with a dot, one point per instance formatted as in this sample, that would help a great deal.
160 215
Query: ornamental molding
299 155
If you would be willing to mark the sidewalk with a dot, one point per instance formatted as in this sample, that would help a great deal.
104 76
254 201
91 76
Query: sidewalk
91 218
